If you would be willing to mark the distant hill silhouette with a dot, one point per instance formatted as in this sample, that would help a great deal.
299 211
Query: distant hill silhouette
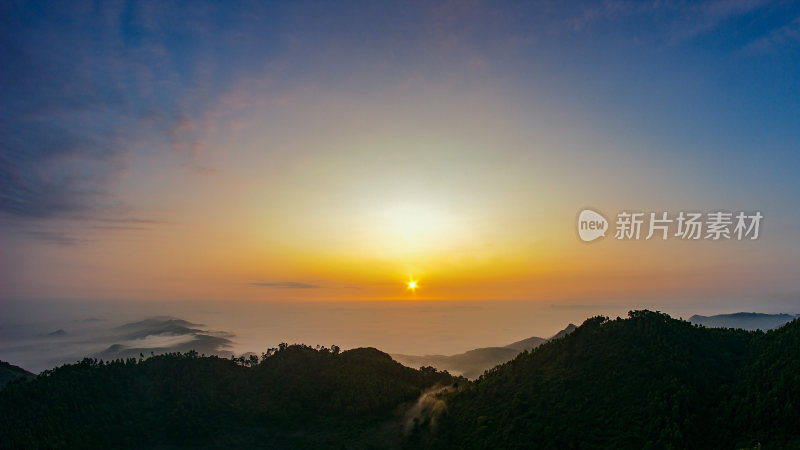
10 372
649 381
471 364
744 320
527 344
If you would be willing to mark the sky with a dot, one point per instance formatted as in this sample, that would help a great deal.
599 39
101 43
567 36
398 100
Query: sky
333 151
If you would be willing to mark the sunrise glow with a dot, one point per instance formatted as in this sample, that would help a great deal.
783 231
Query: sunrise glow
305 161
391 224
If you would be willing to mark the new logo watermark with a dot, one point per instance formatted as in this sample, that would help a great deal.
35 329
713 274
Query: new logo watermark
591 225
714 226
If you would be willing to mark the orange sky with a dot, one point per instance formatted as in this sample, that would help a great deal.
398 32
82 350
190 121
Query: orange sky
297 160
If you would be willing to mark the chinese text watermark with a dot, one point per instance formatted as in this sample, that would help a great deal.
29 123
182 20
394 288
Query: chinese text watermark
714 226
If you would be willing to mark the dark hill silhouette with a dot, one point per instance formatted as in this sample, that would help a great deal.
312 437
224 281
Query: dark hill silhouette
294 397
10 372
649 381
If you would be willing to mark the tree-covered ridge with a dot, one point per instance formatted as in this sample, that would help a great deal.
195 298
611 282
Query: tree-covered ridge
10 372
649 381
292 397
765 404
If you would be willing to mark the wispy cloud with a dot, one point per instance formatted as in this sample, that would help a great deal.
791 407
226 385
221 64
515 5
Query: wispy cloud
785 35
286 285
56 238
701 18
78 106
674 22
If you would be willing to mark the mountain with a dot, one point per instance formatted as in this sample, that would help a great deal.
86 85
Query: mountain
293 397
648 381
10 372
570 328
744 320
526 344
471 364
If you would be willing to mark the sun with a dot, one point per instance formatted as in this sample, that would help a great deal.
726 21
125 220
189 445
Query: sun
412 285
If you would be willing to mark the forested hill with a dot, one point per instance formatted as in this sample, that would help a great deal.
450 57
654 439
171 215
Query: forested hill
10 372
648 381
644 382
293 397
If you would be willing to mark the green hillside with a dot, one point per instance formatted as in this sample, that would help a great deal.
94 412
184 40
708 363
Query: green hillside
644 382
294 397
648 381
10 372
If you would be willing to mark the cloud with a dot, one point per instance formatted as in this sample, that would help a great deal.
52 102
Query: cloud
55 237
77 106
701 18
47 171
673 22
287 285
59 149
785 35
163 335
95 338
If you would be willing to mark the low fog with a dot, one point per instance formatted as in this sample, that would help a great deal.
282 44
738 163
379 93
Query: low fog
38 335
36 347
